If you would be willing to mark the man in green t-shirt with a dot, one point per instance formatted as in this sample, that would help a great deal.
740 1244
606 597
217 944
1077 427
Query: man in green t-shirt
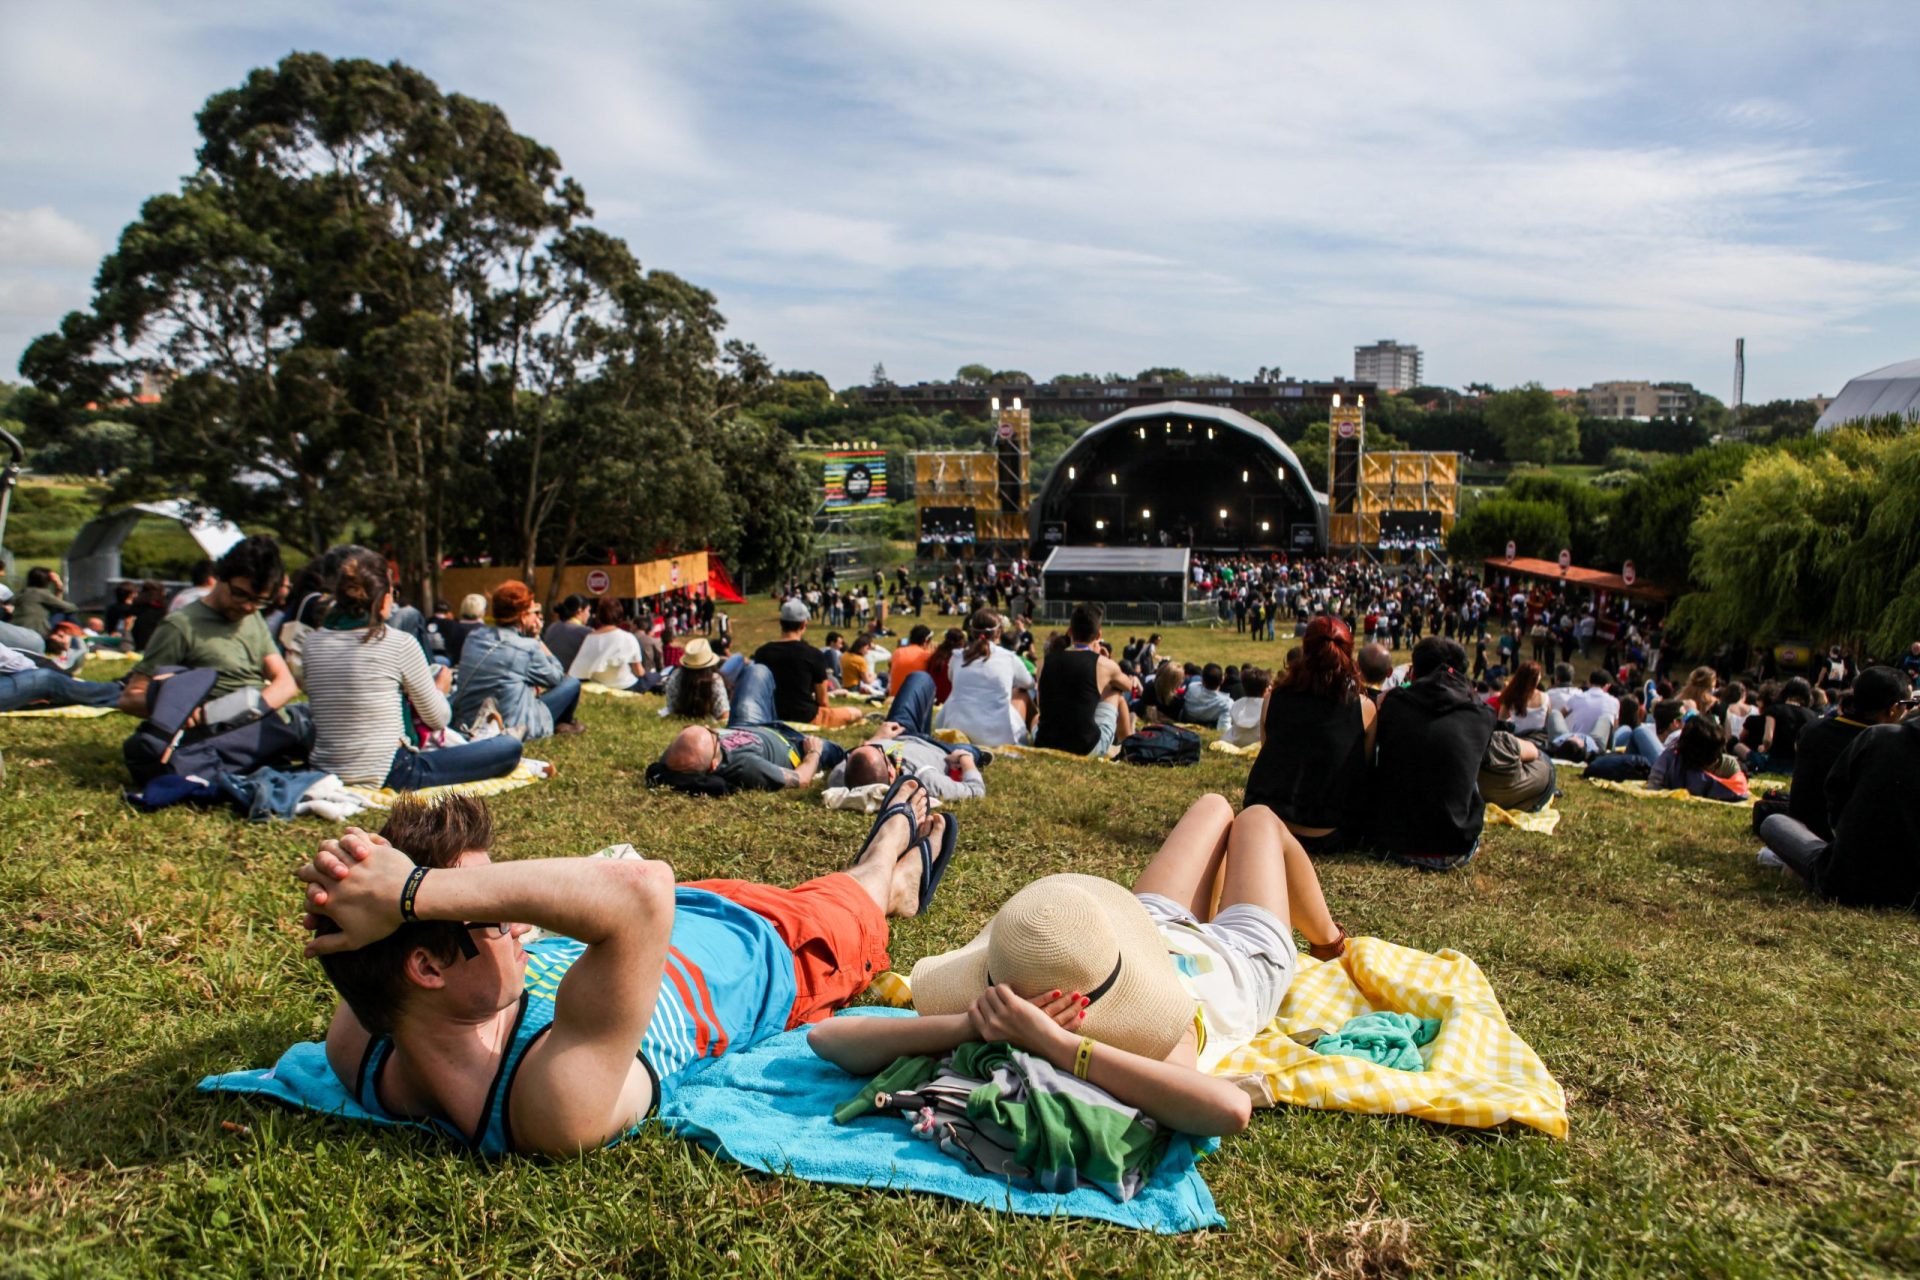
246 721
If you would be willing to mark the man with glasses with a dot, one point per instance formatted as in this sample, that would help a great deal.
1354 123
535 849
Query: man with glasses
755 752
247 720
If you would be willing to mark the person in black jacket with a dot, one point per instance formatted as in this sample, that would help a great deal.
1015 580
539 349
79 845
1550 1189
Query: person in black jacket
1424 804
1875 698
1874 857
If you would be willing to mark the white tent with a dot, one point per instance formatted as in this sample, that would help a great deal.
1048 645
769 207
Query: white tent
93 559
1890 392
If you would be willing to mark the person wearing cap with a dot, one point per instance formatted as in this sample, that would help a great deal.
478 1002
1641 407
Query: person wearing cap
250 718
1873 859
1876 697
799 674
1141 992
506 662
696 689
571 1042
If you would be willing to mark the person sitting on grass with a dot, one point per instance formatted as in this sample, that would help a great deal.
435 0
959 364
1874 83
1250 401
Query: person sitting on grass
1699 764
250 717
1249 711
1206 702
505 662
992 698
914 655
1141 992
856 668
570 1042
1424 805
1315 742
1782 720
608 653
569 628
368 684
1085 698
800 674
1877 696
1873 807
697 689
756 751
41 603
1590 715
905 743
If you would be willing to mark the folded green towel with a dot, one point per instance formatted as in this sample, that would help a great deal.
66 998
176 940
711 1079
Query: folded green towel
1390 1039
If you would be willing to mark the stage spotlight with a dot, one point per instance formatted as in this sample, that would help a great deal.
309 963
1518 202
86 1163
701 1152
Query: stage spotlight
1071 474
1223 515
1113 477
1265 527
1099 524
996 402
1245 476
1146 513
1016 404
1209 433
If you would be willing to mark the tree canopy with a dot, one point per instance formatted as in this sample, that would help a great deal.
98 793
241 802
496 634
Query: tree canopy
1531 425
379 312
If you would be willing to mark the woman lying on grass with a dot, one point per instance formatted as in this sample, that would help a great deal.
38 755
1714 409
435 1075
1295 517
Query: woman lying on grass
1142 993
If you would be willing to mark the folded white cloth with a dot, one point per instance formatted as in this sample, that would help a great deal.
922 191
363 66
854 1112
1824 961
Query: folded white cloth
861 799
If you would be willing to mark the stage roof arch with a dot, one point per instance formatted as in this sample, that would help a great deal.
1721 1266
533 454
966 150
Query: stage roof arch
1280 460
1892 391
92 562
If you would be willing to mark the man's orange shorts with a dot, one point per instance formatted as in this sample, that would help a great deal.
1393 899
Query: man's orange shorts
838 936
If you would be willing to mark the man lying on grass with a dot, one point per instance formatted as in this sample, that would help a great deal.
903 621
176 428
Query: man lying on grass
569 1042
1143 992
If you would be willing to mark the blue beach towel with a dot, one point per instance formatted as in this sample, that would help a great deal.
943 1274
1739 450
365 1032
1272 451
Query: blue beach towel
770 1108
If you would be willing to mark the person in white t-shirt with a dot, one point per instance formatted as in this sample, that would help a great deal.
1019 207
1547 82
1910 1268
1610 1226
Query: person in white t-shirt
1562 691
1592 713
610 654
1249 711
992 696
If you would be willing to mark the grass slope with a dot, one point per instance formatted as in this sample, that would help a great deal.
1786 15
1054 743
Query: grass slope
1739 1059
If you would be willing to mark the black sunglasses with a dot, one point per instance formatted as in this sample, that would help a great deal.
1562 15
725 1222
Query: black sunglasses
468 948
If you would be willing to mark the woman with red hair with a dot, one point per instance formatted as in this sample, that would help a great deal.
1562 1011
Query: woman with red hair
1316 737
508 665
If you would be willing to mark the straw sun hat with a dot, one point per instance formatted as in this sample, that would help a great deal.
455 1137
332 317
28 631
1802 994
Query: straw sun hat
699 655
1070 933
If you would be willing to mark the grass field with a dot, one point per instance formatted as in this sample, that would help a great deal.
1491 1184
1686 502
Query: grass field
1740 1061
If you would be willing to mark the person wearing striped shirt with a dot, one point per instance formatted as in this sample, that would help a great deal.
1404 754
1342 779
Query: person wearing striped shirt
570 1042
369 687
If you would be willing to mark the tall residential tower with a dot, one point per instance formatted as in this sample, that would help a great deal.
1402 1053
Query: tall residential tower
1392 366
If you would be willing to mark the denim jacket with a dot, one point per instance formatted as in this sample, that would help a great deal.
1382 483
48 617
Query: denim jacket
502 664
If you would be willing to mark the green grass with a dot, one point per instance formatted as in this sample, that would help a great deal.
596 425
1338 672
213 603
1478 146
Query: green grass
1739 1059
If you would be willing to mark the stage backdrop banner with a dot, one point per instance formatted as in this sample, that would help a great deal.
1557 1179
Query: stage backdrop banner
856 479
624 581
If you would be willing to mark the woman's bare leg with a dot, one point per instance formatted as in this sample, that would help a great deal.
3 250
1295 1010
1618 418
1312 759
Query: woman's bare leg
1266 866
1189 858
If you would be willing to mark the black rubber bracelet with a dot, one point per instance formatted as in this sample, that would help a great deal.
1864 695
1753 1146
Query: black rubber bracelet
410 891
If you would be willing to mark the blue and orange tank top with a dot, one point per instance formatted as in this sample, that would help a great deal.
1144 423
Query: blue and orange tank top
729 983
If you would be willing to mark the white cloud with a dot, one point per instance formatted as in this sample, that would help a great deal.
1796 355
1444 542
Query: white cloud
43 237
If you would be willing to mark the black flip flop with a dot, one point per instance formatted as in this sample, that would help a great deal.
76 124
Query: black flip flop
933 867
888 808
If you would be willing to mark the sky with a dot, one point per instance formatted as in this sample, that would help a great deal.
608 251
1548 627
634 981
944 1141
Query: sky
1556 193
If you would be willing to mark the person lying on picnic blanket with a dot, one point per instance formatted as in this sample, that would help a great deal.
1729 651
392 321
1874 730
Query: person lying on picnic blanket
569 1042
1141 992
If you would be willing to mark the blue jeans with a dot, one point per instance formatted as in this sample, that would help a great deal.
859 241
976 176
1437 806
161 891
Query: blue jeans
1641 742
22 639
560 701
730 669
55 688
753 709
912 710
470 762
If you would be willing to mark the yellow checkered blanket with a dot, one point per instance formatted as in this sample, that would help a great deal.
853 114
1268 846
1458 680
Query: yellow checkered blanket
58 713
525 775
608 691
1479 1073
1640 791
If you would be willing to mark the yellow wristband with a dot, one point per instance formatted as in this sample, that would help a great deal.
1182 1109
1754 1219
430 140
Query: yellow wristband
1083 1057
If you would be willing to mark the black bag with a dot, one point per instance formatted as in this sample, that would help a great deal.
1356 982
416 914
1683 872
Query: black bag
1166 744
1766 806
1618 766
693 784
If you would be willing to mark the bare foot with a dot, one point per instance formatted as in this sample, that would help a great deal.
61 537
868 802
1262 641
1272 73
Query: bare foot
908 871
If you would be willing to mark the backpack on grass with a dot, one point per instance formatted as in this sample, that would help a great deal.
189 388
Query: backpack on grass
1166 744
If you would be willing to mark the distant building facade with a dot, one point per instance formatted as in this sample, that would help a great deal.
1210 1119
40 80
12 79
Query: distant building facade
1095 401
1642 401
1389 365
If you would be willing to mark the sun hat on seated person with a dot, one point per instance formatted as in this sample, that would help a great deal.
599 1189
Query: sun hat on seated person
698 655
1070 933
